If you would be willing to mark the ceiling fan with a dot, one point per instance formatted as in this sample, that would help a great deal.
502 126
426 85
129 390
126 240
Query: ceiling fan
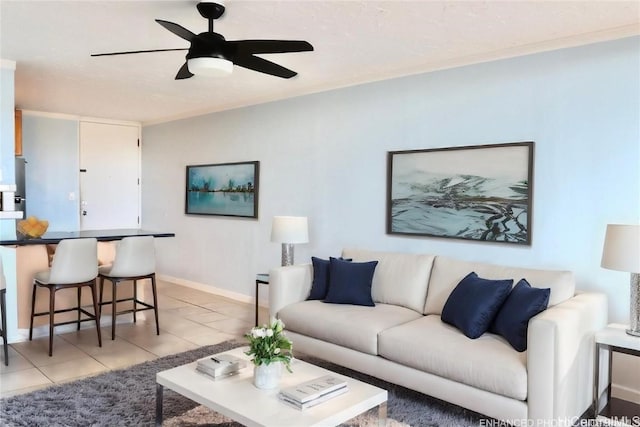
211 54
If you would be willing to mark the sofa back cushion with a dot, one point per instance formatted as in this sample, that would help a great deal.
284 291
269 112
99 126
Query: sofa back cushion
447 273
399 279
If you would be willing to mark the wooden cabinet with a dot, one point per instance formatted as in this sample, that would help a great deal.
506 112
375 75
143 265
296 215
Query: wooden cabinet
18 122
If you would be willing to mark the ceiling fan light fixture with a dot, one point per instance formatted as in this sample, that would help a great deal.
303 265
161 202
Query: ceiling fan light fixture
210 67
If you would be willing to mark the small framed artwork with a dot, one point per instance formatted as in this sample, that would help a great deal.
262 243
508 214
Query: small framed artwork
481 193
225 189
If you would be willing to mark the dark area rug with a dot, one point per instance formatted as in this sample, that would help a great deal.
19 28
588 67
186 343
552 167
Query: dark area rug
126 397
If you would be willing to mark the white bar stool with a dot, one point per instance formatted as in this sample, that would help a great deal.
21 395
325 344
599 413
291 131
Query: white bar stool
135 260
74 265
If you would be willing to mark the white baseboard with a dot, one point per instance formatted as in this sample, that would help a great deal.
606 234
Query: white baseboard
22 335
625 393
212 290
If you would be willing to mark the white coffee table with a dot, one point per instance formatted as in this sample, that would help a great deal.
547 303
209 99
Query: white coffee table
237 398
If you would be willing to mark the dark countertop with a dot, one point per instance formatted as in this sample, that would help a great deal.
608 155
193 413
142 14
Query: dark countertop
54 237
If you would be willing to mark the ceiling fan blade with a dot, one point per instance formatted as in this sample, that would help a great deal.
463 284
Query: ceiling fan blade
136 51
263 66
183 72
178 30
250 47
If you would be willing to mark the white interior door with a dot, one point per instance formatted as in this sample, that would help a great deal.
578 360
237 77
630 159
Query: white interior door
109 176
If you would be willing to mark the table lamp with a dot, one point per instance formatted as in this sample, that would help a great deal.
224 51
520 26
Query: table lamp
622 252
289 230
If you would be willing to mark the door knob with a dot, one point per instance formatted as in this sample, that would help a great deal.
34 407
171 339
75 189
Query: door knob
84 213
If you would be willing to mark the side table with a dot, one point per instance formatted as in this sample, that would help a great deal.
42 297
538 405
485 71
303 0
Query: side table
613 338
264 280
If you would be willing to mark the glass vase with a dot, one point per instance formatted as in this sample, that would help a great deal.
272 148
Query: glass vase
267 377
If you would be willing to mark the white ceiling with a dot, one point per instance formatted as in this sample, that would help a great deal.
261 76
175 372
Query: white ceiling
354 41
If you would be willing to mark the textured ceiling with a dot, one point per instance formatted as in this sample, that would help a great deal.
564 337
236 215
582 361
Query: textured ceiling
354 41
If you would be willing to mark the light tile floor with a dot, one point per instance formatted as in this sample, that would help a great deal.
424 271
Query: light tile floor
188 319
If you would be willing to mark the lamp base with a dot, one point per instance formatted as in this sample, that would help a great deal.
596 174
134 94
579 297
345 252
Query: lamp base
634 324
287 254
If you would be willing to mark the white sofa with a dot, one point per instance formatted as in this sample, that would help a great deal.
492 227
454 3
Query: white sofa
403 340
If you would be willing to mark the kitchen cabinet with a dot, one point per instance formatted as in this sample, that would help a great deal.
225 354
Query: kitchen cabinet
18 123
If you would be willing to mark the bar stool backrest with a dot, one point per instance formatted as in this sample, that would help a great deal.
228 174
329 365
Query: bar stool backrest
75 261
135 256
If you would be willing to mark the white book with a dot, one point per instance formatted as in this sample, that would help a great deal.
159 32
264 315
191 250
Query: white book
220 365
311 403
218 376
313 389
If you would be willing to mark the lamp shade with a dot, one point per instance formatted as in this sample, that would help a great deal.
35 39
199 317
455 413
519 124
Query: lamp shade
290 229
212 67
622 248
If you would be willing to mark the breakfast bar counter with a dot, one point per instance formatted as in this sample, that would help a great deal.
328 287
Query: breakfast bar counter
31 255
54 237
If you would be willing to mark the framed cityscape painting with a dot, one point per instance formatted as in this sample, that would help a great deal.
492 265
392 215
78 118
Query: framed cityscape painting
481 193
226 189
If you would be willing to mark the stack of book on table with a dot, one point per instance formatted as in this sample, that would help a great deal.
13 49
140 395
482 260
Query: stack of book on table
313 392
219 366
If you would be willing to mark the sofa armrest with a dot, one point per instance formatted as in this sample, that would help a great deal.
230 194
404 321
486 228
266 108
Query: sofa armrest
288 285
560 358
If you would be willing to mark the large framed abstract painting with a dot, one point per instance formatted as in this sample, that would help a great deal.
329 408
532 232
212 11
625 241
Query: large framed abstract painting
479 193
226 189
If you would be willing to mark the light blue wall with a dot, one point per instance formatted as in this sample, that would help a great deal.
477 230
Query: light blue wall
50 146
324 156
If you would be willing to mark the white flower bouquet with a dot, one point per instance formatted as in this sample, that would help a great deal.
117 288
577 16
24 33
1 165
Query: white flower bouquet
269 344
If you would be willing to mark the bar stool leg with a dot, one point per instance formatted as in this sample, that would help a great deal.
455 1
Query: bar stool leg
155 301
113 309
96 310
135 298
52 305
101 293
79 302
3 307
33 309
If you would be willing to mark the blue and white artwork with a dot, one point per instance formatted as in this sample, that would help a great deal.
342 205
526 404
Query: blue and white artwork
474 193
229 189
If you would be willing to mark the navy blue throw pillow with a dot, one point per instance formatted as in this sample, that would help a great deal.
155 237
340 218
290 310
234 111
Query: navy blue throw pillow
512 321
320 284
350 282
473 304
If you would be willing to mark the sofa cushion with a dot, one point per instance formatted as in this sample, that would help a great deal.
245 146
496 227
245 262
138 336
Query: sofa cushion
488 363
352 326
399 279
474 303
512 321
447 273
350 282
